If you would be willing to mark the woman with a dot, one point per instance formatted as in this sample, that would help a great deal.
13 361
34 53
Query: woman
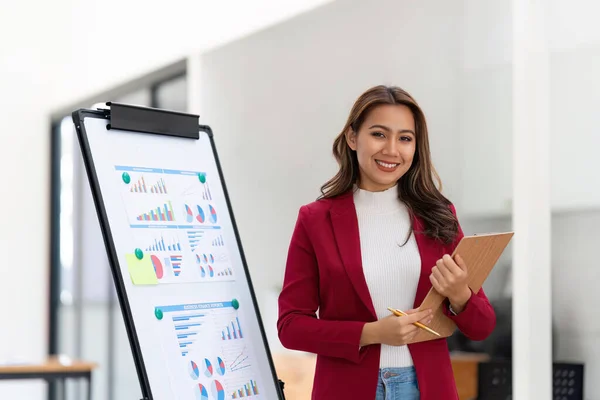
380 236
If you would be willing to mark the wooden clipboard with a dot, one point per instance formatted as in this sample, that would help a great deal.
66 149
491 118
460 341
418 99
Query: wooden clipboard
480 253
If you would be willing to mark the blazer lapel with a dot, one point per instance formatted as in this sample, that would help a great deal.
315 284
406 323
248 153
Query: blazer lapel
429 250
347 237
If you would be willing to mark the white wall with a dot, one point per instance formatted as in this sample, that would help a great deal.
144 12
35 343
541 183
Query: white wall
24 161
575 276
574 40
52 55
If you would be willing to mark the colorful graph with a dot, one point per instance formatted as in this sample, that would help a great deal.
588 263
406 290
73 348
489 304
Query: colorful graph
158 267
201 392
159 187
185 329
164 213
189 214
213 214
231 332
193 370
175 262
226 272
218 241
140 187
159 245
208 368
249 389
205 258
211 271
200 217
194 239
217 390
220 366
206 195
240 361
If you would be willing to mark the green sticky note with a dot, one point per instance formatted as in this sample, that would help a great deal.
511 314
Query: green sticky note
141 271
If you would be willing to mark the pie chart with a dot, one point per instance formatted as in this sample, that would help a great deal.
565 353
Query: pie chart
200 217
211 272
193 370
217 391
197 259
213 214
201 392
205 259
202 272
212 259
189 215
208 368
220 366
158 268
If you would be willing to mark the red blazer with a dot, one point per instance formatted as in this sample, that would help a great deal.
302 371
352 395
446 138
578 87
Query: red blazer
324 273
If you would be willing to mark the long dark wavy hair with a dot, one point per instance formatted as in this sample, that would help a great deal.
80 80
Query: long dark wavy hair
416 188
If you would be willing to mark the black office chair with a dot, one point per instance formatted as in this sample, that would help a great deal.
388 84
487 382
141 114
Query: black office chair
495 381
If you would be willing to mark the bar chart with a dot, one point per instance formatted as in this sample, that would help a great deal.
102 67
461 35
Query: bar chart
162 213
232 331
175 262
226 272
206 195
194 238
187 330
159 244
140 187
218 241
248 390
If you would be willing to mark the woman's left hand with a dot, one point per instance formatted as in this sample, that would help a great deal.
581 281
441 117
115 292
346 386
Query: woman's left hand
449 278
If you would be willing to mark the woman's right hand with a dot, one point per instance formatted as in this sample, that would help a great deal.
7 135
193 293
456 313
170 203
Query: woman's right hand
398 331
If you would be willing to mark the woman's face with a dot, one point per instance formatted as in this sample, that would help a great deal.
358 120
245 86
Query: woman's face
385 146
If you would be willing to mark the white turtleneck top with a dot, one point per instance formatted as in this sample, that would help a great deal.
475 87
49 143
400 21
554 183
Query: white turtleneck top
391 270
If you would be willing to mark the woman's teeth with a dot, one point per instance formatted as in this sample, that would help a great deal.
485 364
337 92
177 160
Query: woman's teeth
387 165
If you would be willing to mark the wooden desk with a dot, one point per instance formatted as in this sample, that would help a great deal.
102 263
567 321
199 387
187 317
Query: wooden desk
53 369
464 366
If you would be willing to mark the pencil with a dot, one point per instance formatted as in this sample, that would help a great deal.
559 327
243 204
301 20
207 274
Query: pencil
400 313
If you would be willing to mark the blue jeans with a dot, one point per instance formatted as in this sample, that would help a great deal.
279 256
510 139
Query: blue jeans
397 384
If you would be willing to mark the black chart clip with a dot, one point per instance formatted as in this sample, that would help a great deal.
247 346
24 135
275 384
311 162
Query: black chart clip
153 120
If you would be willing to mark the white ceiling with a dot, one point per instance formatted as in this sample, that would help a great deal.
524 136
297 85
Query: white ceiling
70 49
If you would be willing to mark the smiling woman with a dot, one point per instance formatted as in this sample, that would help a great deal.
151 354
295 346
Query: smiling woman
379 236
384 146
390 114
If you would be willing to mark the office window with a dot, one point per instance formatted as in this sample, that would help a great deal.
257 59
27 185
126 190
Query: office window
172 94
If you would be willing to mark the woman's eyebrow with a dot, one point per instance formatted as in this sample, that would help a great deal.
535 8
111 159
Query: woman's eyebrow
388 129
